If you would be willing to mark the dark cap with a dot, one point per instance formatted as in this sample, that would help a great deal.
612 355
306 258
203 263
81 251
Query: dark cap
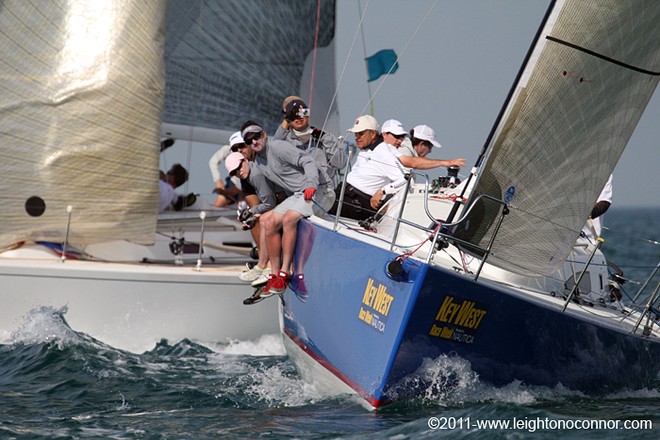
295 109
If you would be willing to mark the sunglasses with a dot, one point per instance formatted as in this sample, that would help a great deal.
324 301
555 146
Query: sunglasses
398 136
237 147
251 139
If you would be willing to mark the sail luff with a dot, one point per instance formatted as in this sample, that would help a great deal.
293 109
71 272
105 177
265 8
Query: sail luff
564 130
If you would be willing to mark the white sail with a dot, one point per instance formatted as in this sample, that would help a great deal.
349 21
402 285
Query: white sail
233 60
592 72
81 86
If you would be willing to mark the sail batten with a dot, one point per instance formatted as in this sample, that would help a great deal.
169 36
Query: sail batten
565 128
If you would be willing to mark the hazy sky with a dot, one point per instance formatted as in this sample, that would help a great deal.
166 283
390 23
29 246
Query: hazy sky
456 72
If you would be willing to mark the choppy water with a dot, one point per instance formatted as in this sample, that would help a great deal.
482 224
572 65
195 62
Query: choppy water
60 384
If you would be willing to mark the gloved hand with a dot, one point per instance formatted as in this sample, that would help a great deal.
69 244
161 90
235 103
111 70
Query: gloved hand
243 214
309 193
249 223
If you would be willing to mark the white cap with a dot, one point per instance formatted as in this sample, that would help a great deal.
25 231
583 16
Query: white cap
236 138
393 126
364 122
426 133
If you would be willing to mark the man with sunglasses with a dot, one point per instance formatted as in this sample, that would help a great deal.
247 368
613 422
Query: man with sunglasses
357 203
323 147
393 135
260 197
420 143
289 168
379 171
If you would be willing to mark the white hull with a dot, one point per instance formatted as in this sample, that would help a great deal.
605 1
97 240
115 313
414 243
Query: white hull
133 306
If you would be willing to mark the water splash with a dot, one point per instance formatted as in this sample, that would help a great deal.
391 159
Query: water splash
266 345
44 324
449 381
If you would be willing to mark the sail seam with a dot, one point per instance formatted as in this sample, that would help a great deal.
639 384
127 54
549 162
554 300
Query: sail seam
603 57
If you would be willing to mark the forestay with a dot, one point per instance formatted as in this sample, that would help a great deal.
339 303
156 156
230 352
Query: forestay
589 78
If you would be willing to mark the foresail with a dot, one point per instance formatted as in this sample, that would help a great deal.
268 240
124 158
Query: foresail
587 83
233 60
81 87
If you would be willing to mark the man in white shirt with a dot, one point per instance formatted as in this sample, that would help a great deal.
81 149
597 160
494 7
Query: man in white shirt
594 222
226 196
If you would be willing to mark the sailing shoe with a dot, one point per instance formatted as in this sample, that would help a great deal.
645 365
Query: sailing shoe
250 275
265 291
261 280
298 286
278 284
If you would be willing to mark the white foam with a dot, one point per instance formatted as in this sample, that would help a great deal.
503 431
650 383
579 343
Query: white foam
277 389
44 324
450 380
266 345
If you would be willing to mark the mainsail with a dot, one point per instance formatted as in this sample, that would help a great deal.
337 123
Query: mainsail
81 86
590 76
235 60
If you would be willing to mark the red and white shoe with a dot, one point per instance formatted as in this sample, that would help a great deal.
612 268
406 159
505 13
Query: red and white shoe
278 284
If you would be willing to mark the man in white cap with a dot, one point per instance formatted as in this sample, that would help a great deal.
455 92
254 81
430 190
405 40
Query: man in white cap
357 203
383 172
289 168
227 189
419 144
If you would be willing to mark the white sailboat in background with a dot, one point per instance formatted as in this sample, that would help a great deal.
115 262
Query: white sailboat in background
83 86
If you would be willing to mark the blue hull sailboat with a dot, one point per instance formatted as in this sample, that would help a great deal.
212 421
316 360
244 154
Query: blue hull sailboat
493 272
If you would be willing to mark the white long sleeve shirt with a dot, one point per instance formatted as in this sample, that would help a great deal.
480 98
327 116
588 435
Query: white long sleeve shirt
378 169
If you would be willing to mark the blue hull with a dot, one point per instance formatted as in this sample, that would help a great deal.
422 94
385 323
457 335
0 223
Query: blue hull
372 331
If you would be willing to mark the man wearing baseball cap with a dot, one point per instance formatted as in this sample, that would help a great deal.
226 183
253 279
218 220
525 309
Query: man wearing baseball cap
419 144
392 141
260 198
289 168
382 172
227 189
323 147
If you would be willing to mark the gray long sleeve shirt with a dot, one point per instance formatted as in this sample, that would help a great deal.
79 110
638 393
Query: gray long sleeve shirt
263 189
286 166
323 147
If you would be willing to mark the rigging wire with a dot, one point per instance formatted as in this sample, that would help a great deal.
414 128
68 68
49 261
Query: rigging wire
364 52
414 34
316 42
343 71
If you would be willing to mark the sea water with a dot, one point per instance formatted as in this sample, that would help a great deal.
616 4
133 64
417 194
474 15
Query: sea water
57 383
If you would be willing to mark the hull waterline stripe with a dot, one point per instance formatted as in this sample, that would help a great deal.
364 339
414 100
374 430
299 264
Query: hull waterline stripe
328 366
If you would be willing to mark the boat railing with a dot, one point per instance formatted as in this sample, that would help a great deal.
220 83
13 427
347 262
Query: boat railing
441 231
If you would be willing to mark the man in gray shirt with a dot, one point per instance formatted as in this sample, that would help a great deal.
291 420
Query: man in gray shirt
323 147
289 168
